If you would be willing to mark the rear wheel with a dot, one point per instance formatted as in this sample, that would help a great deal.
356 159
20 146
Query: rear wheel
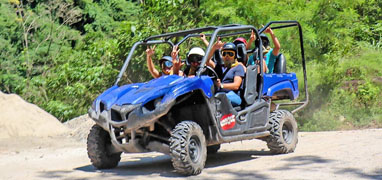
98 151
284 133
188 148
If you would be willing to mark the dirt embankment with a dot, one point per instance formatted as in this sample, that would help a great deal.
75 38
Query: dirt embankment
80 127
19 118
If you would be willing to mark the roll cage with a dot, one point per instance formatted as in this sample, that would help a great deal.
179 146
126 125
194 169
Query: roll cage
239 29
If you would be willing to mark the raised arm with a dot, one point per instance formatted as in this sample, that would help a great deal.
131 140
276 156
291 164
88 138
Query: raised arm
203 37
276 43
177 64
150 65
251 39
218 45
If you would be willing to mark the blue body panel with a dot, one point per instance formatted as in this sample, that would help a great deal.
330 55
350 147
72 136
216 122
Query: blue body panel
168 87
277 82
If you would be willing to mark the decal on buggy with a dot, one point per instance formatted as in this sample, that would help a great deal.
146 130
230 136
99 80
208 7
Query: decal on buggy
227 121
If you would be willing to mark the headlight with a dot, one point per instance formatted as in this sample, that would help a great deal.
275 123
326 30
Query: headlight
151 105
157 101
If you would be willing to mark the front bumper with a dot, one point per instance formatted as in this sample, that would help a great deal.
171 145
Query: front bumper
132 117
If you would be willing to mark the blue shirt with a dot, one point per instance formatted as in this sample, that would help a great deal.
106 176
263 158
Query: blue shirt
270 60
230 75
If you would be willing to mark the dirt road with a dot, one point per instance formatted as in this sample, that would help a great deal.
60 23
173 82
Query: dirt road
319 155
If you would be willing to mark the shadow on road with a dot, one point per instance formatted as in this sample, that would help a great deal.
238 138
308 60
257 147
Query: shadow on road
297 161
146 165
225 158
377 174
300 162
161 164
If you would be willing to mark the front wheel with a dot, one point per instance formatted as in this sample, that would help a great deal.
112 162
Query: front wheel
98 151
284 133
188 148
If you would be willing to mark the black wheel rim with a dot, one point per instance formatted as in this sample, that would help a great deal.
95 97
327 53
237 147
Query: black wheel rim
287 133
194 148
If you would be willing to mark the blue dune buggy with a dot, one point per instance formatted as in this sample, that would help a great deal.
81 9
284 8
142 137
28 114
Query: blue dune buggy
187 117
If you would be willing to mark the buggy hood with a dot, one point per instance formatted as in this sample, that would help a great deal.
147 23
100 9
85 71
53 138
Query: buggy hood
165 87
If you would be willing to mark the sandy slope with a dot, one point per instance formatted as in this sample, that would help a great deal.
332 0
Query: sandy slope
19 118
79 127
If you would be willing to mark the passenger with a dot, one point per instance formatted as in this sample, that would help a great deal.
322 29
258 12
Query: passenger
166 63
252 38
238 41
269 54
194 58
242 40
233 74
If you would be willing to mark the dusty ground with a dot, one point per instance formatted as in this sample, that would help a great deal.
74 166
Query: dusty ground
319 155
35 145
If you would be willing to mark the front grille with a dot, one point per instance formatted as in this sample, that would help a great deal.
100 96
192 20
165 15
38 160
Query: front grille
121 113
115 115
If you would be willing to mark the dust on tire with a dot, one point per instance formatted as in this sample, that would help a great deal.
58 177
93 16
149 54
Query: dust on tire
283 138
182 137
97 142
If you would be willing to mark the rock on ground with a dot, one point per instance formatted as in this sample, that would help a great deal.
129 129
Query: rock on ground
80 127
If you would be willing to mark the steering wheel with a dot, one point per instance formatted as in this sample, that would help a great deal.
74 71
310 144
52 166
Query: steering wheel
211 73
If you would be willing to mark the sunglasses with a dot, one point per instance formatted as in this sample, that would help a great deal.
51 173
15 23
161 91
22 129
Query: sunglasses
167 64
228 53
195 58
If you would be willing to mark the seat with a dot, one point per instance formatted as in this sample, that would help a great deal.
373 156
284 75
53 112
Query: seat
218 59
250 85
237 108
280 64
241 53
255 55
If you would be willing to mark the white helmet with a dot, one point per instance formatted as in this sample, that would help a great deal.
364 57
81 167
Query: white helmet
196 50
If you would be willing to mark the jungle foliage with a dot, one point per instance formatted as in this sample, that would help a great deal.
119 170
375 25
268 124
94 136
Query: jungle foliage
60 54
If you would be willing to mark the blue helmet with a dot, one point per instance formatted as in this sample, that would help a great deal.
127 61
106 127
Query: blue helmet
166 61
165 58
230 46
